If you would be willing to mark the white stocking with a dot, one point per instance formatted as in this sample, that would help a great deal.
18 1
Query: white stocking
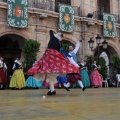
80 83
1 86
67 84
52 86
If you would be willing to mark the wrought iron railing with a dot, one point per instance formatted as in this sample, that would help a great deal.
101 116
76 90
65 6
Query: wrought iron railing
77 9
42 4
99 16
118 19
47 5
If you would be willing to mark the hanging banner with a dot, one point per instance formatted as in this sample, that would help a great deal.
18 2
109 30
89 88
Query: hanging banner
109 28
66 18
17 13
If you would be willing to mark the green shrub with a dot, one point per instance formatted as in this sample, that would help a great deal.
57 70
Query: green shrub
103 70
66 47
89 61
116 63
30 50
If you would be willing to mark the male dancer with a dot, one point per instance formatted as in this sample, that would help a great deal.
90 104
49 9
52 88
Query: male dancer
73 59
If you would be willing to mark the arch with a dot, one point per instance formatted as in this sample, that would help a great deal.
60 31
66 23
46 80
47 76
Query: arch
110 51
14 33
11 45
70 38
65 41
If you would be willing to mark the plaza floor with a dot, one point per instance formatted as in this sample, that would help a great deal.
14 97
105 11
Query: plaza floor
92 104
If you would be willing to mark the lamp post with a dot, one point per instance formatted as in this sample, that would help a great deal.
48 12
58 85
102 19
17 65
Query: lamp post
105 43
91 43
98 40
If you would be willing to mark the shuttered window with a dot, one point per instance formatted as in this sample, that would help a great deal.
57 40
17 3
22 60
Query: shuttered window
103 6
68 2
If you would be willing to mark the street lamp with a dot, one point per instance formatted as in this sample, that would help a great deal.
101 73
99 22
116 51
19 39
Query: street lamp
91 43
98 39
104 44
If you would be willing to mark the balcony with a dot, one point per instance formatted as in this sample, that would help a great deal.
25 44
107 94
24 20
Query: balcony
99 16
3 1
48 5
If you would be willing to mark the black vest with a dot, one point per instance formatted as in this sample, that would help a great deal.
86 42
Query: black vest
54 43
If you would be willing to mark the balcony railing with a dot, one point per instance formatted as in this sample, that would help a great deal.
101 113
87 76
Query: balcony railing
48 5
99 16
42 4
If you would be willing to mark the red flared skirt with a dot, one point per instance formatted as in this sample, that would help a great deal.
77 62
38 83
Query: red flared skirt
53 61
2 77
73 77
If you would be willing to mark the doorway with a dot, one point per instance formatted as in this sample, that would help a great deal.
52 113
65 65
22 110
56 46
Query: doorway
10 49
108 53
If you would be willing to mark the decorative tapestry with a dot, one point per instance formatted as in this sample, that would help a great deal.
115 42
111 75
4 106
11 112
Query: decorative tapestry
109 28
18 13
66 18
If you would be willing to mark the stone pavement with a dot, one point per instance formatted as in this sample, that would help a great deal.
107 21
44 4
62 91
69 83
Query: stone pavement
92 104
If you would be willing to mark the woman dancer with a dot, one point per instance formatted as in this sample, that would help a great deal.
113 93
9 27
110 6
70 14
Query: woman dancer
52 63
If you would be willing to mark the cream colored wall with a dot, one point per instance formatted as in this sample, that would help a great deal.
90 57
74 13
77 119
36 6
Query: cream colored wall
38 29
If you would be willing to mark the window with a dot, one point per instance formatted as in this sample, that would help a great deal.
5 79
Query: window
103 6
62 2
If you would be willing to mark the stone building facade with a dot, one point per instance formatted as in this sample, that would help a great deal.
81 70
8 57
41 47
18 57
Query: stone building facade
12 39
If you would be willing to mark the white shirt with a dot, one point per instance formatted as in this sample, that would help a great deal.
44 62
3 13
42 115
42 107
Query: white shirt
77 46
75 51
1 62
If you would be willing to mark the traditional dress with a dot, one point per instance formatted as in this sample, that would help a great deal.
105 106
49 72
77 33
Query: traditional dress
17 79
84 74
34 82
3 69
95 78
52 63
62 78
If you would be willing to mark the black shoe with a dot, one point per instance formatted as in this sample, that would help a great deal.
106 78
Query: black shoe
67 88
95 86
84 88
51 93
